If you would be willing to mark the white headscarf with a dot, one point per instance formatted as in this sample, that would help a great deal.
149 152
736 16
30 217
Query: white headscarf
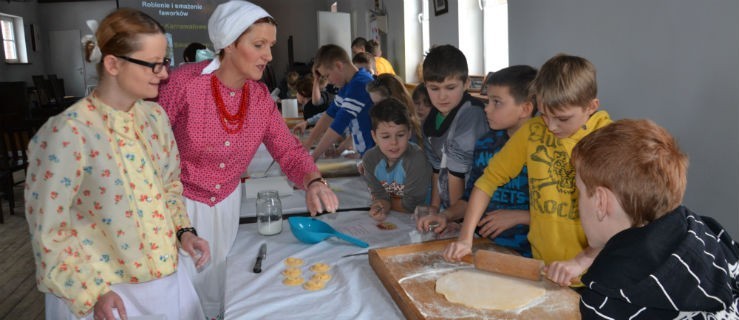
95 55
228 22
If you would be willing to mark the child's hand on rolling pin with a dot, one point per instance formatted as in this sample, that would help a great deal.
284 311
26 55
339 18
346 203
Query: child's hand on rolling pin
456 250
564 273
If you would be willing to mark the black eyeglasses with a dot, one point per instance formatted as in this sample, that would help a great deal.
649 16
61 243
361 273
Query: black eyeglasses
156 67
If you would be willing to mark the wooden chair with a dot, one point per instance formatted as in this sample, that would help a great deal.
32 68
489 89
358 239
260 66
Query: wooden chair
6 179
14 138
59 94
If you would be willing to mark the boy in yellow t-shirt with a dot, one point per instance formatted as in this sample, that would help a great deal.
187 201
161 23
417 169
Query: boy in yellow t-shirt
566 93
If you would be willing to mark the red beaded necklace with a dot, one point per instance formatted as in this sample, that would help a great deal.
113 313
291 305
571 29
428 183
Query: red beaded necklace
230 120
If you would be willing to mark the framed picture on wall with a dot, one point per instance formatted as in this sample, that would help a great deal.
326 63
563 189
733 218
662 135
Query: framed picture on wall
484 88
441 6
476 83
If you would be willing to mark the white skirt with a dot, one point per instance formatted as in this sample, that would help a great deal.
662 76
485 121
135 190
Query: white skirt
172 298
218 225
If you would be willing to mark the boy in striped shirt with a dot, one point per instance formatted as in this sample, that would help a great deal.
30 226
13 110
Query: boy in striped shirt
658 259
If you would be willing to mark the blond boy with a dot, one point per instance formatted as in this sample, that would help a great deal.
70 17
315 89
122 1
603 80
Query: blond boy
566 93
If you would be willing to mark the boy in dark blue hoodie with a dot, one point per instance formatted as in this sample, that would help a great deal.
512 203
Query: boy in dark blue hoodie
658 259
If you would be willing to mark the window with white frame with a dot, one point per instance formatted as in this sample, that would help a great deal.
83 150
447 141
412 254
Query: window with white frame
483 36
495 34
13 36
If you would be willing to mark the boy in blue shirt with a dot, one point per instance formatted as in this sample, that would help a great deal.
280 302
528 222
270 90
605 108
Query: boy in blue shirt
453 125
350 108
507 215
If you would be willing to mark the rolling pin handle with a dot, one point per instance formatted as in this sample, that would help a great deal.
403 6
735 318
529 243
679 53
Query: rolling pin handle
468 259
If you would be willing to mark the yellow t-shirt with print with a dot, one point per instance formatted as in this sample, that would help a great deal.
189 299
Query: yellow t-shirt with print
555 232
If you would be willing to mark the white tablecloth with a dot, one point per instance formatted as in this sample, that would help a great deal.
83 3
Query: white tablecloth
354 292
351 191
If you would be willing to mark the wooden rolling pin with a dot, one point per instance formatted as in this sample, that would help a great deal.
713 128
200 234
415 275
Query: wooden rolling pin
507 264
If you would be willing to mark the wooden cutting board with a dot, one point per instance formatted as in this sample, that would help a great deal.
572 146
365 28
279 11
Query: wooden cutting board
409 274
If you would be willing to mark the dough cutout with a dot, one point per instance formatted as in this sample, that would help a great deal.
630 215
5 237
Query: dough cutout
387 225
485 290
320 267
293 262
293 281
292 272
322 277
313 285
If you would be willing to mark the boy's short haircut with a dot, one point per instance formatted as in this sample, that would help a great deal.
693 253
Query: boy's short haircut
362 58
330 53
420 93
563 81
518 80
443 62
371 46
359 42
292 78
639 161
390 110
304 86
371 60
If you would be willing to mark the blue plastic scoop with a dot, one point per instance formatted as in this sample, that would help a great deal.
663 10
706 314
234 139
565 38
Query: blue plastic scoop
310 230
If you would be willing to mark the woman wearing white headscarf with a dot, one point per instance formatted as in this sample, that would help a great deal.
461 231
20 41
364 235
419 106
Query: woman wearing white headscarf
220 115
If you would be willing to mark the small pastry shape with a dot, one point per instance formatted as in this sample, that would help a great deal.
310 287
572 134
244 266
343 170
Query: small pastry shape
293 281
320 267
291 272
387 225
323 277
314 285
293 262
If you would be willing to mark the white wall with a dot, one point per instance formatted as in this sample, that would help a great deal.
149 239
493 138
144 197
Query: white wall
470 35
393 47
298 21
413 41
675 62
444 29
72 16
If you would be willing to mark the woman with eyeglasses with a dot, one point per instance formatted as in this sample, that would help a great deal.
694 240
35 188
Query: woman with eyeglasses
104 197
220 114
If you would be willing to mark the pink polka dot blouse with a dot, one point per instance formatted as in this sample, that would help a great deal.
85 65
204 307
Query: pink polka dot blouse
213 160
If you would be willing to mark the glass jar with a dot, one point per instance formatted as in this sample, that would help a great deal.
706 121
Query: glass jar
269 212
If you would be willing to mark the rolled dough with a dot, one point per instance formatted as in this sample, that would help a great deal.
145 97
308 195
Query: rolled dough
484 290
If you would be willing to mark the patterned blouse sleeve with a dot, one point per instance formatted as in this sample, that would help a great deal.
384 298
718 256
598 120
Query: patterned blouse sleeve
57 161
172 96
285 148
171 173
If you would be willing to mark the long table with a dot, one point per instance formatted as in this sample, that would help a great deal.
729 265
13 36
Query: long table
352 191
354 292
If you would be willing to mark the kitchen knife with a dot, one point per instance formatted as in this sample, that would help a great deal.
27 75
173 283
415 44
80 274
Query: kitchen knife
260 256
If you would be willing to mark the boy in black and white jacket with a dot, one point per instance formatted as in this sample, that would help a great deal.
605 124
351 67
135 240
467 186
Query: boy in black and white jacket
658 259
